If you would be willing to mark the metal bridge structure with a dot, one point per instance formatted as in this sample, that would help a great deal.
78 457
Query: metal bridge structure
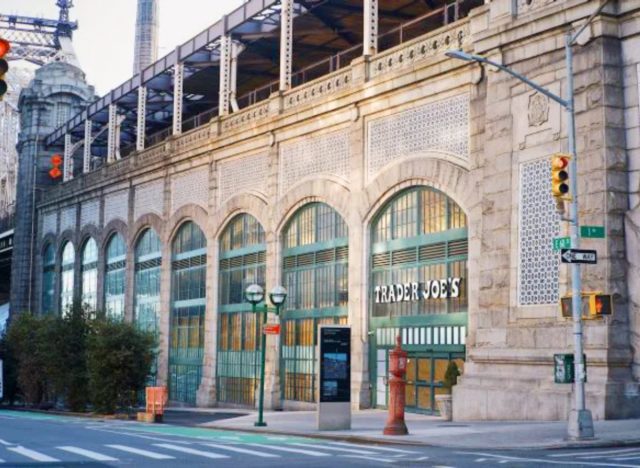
40 40
261 48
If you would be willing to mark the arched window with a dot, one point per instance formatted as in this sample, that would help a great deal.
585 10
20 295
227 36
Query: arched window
48 279
418 290
66 278
242 262
315 267
188 304
147 281
90 274
114 277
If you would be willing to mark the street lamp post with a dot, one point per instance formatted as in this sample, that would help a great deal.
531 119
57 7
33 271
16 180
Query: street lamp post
580 419
254 295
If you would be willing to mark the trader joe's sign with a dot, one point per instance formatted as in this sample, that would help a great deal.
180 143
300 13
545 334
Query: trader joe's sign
405 292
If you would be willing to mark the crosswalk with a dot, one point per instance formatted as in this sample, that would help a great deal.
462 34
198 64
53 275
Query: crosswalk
612 457
220 450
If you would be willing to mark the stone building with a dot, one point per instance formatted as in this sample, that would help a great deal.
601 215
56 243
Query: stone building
392 165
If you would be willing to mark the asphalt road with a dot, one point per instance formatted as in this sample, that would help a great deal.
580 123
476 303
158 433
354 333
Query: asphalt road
29 439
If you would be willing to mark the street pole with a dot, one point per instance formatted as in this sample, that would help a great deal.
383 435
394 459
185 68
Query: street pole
260 422
580 419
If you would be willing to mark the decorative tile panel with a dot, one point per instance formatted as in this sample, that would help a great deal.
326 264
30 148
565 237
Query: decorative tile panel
149 198
90 213
325 154
68 218
432 45
233 177
190 187
539 223
50 223
116 206
437 126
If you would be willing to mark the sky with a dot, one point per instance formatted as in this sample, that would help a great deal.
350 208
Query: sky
104 40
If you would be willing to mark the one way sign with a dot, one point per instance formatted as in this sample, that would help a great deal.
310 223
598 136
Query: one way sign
579 256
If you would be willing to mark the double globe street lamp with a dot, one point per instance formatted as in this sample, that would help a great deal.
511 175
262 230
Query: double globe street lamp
254 294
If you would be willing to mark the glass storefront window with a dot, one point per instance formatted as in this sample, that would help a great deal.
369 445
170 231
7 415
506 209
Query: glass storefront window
188 304
148 259
315 274
90 274
114 278
48 279
242 262
66 278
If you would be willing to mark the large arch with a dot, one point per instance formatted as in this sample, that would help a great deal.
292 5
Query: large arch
315 252
188 310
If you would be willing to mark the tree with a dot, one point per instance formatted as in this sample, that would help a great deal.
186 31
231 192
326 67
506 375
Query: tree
119 361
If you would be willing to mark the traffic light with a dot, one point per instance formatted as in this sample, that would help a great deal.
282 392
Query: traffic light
594 305
56 161
5 46
560 176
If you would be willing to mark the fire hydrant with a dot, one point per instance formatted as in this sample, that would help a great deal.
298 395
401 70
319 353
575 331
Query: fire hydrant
397 368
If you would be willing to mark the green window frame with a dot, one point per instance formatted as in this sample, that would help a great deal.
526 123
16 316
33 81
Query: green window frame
188 307
242 262
67 277
315 272
114 278
48 279
89 270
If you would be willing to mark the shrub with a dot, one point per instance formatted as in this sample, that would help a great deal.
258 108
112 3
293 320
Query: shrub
451 376
119 360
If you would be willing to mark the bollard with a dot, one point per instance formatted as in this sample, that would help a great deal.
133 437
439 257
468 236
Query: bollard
397 368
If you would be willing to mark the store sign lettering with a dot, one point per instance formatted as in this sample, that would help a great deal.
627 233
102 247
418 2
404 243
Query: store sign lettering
434 289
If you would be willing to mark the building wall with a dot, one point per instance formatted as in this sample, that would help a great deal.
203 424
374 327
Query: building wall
407 117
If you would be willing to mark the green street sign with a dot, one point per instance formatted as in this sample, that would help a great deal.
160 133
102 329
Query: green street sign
560 243
594 232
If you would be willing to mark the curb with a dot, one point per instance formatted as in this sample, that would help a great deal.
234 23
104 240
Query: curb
596 443
71 414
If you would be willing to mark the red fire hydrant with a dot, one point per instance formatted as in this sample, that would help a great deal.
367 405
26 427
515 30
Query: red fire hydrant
397 368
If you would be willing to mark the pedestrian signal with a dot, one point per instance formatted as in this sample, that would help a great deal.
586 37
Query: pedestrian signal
594 305
56 161
560 176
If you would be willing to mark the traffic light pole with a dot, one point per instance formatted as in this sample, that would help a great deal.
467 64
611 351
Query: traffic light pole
580 419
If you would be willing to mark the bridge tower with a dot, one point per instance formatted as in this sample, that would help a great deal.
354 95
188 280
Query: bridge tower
146 45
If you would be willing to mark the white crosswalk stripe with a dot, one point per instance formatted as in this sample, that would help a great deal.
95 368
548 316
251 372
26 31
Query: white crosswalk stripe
338 449
191 451
87 453
37 456
597 454
377 448
144 453
235 448
364 457
312 453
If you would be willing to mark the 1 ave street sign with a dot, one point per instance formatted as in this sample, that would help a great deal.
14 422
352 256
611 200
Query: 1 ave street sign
593 232
579 256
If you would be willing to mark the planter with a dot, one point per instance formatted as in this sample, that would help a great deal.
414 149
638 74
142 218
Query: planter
444 406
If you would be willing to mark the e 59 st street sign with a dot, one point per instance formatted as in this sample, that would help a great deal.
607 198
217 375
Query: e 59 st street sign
579 256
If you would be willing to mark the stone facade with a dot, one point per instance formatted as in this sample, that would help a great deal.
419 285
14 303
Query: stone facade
406 118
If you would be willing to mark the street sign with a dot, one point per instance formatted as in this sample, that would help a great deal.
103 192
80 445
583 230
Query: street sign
564 369
593 232
561 243
272 329
579 256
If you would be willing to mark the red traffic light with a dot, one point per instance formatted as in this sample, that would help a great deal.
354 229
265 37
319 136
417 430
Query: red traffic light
5 47
56 161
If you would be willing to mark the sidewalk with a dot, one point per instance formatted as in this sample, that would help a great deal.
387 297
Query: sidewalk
431 430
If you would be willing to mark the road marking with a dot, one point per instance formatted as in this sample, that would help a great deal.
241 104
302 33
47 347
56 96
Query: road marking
625 458
594 454
235 448
313 453
548 462
4 442
314 446
87 453
144 453
135 434
37 456
480 460
376 447
191 451
364 457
